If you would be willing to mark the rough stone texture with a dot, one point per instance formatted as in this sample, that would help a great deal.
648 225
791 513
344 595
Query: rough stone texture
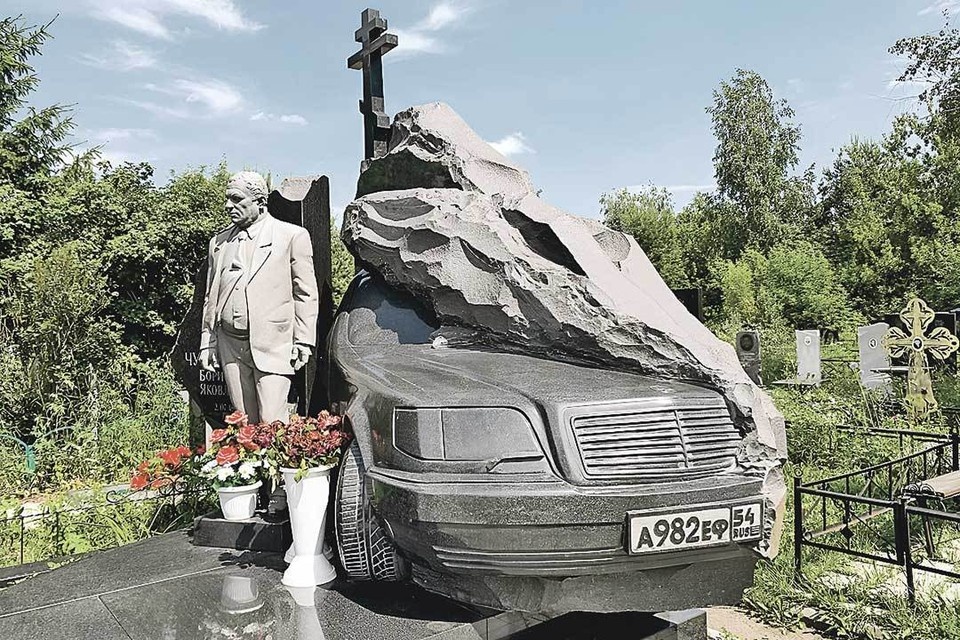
447 218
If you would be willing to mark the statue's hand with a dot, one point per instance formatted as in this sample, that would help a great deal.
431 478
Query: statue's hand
209 360
299 356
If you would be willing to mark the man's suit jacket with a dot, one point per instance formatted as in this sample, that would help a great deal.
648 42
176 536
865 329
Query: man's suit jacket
282 298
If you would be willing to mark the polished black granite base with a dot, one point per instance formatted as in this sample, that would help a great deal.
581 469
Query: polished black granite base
255 534
165 588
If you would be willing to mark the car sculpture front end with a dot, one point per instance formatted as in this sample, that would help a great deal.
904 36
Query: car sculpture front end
515 482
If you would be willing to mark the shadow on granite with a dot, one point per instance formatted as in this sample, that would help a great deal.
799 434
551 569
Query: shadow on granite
165 588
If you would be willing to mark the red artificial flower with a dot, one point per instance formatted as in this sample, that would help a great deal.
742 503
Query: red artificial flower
236 418
138 481
160 482
170 457
218 434
227 455
245 437
184 451
143 466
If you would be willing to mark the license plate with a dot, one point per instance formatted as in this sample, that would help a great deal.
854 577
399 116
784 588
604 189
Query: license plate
697 528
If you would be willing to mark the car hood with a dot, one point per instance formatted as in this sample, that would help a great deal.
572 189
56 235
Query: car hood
421 375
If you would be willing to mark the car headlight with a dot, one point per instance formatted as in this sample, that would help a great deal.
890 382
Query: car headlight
464 434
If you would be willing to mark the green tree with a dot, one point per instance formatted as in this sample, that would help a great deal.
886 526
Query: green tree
342 267
649 217
32 145
758 203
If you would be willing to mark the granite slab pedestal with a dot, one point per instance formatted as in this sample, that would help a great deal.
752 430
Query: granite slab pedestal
167 588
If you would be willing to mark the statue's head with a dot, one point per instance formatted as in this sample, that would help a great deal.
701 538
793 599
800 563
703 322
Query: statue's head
246 198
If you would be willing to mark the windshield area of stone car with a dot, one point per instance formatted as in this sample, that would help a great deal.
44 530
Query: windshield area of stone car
381 314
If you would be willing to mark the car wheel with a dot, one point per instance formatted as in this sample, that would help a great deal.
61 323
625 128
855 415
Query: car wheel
366 551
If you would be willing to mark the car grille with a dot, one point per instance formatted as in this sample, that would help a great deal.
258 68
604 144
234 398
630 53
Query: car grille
686 438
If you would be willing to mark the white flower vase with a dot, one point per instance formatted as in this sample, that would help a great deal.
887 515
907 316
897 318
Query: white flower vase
307 501
238 503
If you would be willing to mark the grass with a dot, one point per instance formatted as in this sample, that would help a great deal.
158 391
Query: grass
870 604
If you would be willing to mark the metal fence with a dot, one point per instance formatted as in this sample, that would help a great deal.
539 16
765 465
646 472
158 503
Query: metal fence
867 513
31 537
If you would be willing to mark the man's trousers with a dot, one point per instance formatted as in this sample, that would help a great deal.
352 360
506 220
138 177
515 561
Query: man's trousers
262 396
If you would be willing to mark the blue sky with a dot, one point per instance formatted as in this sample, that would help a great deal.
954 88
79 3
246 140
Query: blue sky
588 95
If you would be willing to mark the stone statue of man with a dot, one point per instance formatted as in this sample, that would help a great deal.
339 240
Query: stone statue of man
261 304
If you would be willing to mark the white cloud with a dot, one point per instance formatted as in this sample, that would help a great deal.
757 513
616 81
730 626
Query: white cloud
291 118
441 15
150 17
198 98
121 56
513 144
422 37
111 134
949 7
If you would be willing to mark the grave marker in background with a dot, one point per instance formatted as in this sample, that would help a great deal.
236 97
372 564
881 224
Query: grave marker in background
748 351
874 356
808 356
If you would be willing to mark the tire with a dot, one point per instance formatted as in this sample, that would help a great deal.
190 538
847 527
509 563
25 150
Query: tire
366 551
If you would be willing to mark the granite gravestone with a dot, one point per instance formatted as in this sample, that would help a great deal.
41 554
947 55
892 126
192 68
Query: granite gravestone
873 356
808 356
748 352
306 202
301 201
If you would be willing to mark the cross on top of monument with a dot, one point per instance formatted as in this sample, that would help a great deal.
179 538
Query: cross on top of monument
375 42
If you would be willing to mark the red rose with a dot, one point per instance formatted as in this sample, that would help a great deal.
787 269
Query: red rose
236 418
138 481
217 435
245 437
227 455
171 457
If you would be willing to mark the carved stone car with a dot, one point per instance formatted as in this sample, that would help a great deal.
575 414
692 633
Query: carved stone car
516 482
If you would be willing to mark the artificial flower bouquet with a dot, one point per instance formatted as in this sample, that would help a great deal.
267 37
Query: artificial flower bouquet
164 469
306 442
238 453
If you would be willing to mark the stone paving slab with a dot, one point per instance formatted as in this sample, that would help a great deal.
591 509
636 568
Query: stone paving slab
165 588
81 619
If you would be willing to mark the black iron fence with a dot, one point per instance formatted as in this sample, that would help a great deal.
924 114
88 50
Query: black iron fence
867 513
34 534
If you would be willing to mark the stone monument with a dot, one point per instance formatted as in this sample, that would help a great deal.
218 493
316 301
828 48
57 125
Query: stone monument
873 357
920 340
808 356
259 322
748 352
304 202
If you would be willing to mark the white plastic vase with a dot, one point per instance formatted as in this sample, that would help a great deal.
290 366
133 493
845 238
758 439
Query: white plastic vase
307 501
238 503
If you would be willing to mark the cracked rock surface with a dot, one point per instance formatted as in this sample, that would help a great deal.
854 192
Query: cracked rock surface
447 218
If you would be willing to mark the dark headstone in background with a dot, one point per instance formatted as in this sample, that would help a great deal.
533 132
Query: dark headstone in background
942 319
748 352
306 203
209 401
692 299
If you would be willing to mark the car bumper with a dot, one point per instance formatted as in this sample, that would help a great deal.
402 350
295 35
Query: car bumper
545 545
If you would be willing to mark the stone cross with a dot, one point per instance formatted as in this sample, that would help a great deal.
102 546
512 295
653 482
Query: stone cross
917 316
375 42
